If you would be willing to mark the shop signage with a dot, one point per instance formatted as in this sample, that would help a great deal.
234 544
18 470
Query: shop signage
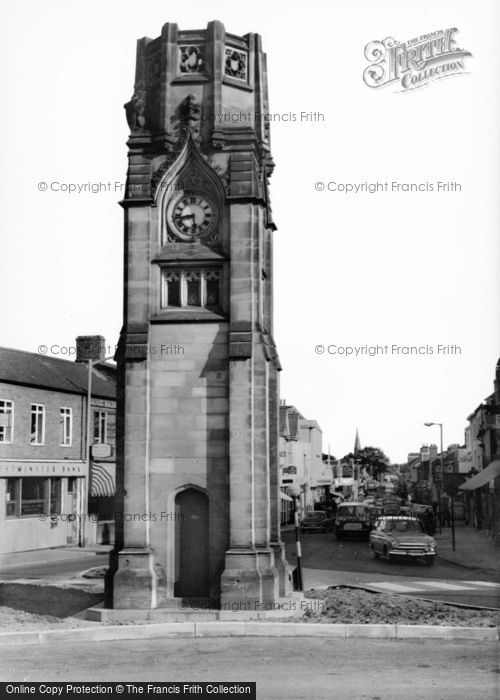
66 468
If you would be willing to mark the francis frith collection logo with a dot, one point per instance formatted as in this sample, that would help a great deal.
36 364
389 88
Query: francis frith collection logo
416 62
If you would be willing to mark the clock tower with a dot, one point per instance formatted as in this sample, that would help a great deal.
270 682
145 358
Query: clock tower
198 368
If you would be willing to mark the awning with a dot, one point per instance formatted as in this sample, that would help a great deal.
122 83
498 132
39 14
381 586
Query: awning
103 479
285 497
491 472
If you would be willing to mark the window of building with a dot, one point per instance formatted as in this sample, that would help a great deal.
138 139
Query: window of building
55 496
13 497
197 287
6 421
72 484
100 426
37 424
33 496
65 426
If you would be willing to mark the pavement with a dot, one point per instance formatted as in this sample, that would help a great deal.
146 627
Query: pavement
474 549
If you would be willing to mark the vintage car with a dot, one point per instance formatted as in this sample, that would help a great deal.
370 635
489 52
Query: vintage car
391 505
401 536
318 521
353 520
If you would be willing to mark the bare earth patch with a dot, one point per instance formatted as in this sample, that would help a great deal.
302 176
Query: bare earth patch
12 620
353 606
25 607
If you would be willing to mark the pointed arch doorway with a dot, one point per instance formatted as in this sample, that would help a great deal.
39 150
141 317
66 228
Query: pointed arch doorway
192 543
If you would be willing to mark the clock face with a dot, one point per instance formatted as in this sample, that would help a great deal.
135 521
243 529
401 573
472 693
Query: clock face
191 216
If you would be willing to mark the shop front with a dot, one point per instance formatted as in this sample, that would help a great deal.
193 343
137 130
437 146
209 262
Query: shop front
41 504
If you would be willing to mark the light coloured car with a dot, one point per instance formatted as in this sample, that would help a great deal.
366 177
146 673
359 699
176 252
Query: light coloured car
399 537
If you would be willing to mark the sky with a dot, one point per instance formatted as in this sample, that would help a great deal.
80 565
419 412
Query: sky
352 270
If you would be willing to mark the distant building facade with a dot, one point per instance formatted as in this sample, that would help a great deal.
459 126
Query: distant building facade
482 487
301 461
45 489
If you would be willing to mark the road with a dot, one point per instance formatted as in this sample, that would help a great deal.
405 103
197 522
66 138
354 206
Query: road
290 668
54 570
350 562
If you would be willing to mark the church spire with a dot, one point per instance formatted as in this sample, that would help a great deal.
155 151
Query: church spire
357 443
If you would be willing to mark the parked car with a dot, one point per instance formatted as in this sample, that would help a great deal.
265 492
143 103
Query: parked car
353 519
319 521
401 536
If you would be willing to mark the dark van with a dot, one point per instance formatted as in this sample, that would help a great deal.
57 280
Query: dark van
353 520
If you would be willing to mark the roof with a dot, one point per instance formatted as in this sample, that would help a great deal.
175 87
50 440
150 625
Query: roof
41 371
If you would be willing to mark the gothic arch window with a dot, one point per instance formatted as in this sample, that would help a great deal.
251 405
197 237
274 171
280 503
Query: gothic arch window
191 287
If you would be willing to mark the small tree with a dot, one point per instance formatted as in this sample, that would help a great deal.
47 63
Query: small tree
373 459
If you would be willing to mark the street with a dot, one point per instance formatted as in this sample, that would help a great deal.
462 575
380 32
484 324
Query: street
350 562
283 668
53 571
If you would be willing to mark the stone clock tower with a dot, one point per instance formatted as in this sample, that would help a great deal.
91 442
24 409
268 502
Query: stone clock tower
198 390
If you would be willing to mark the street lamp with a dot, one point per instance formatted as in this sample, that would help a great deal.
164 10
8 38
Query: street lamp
89 349
294 491
441 480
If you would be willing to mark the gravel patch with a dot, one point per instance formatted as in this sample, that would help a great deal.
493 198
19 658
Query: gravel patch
352 606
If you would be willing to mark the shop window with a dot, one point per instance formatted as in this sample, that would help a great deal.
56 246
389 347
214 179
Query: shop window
33 496
13 497
55 496
37 424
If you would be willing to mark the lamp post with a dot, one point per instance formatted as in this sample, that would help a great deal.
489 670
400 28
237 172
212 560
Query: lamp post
91 350
294 491
441 481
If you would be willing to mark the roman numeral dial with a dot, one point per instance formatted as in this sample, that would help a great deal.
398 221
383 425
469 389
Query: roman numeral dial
191 216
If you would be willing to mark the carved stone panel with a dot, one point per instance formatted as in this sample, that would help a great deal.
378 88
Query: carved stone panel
191 59
236 63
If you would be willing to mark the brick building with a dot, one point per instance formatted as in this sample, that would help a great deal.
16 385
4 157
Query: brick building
44 483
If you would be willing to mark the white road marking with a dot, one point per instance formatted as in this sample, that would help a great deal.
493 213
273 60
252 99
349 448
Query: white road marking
425 586
440 585
396 587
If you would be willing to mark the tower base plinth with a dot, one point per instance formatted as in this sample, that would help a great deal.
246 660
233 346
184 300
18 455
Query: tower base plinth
138 582
250 579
